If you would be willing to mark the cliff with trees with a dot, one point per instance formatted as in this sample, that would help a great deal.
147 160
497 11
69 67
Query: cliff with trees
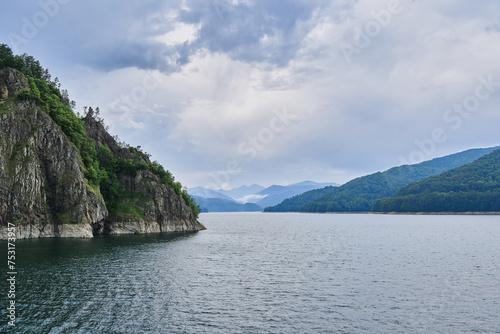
65 176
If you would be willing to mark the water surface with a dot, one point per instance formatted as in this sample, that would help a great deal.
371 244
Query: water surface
268 273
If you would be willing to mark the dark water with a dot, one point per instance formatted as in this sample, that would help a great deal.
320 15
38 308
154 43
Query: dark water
268 273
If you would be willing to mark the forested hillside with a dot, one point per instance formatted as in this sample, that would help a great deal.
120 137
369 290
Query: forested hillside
472 187
359 194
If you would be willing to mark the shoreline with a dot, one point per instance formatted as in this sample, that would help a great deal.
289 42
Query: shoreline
447 213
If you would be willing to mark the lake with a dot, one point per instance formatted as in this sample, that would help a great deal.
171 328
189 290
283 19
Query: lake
268 273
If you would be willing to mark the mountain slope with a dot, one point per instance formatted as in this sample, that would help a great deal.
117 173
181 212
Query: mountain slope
472 187
43 188
359 194
254 194
143 198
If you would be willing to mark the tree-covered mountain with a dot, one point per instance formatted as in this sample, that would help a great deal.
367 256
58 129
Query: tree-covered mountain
474 187
359 194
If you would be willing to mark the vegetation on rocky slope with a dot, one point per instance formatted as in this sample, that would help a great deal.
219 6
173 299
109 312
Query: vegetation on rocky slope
101 166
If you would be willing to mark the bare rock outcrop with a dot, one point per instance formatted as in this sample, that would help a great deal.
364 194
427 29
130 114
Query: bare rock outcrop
43 191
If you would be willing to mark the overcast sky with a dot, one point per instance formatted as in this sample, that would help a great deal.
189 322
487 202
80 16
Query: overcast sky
232 92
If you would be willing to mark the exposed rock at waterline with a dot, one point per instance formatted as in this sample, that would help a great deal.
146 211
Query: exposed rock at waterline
43 190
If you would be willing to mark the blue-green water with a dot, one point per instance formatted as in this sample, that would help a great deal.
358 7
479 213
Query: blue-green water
267 273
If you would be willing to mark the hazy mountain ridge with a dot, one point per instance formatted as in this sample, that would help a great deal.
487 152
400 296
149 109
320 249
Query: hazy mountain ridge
261 198
223 205
242 191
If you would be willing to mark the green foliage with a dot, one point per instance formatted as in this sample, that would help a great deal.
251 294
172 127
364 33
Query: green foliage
192 203
112 166
66 218
35 93
164 175
3 110
472 187
47 95
7 59
125 205
360 194
126 210
24 95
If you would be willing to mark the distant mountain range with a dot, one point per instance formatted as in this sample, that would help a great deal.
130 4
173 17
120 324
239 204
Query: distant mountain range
242 192
360 194
249 198
465 181
276 194
224 205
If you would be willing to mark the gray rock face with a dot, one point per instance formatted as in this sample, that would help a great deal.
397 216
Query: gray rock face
163 209
14 81
43 191
42 186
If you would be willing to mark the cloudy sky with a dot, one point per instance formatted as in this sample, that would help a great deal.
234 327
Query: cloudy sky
232 92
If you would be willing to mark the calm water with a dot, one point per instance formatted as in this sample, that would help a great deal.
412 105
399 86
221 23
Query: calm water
268 273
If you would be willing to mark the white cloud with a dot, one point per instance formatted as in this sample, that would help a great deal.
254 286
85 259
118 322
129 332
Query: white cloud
182 33
251 198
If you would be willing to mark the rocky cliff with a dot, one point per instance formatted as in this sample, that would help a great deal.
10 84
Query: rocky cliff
157 207
43 189
42 186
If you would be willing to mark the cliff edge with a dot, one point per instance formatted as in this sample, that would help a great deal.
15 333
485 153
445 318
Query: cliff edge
44 181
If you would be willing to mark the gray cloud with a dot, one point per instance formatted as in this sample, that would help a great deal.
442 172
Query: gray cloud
241 30
110 35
